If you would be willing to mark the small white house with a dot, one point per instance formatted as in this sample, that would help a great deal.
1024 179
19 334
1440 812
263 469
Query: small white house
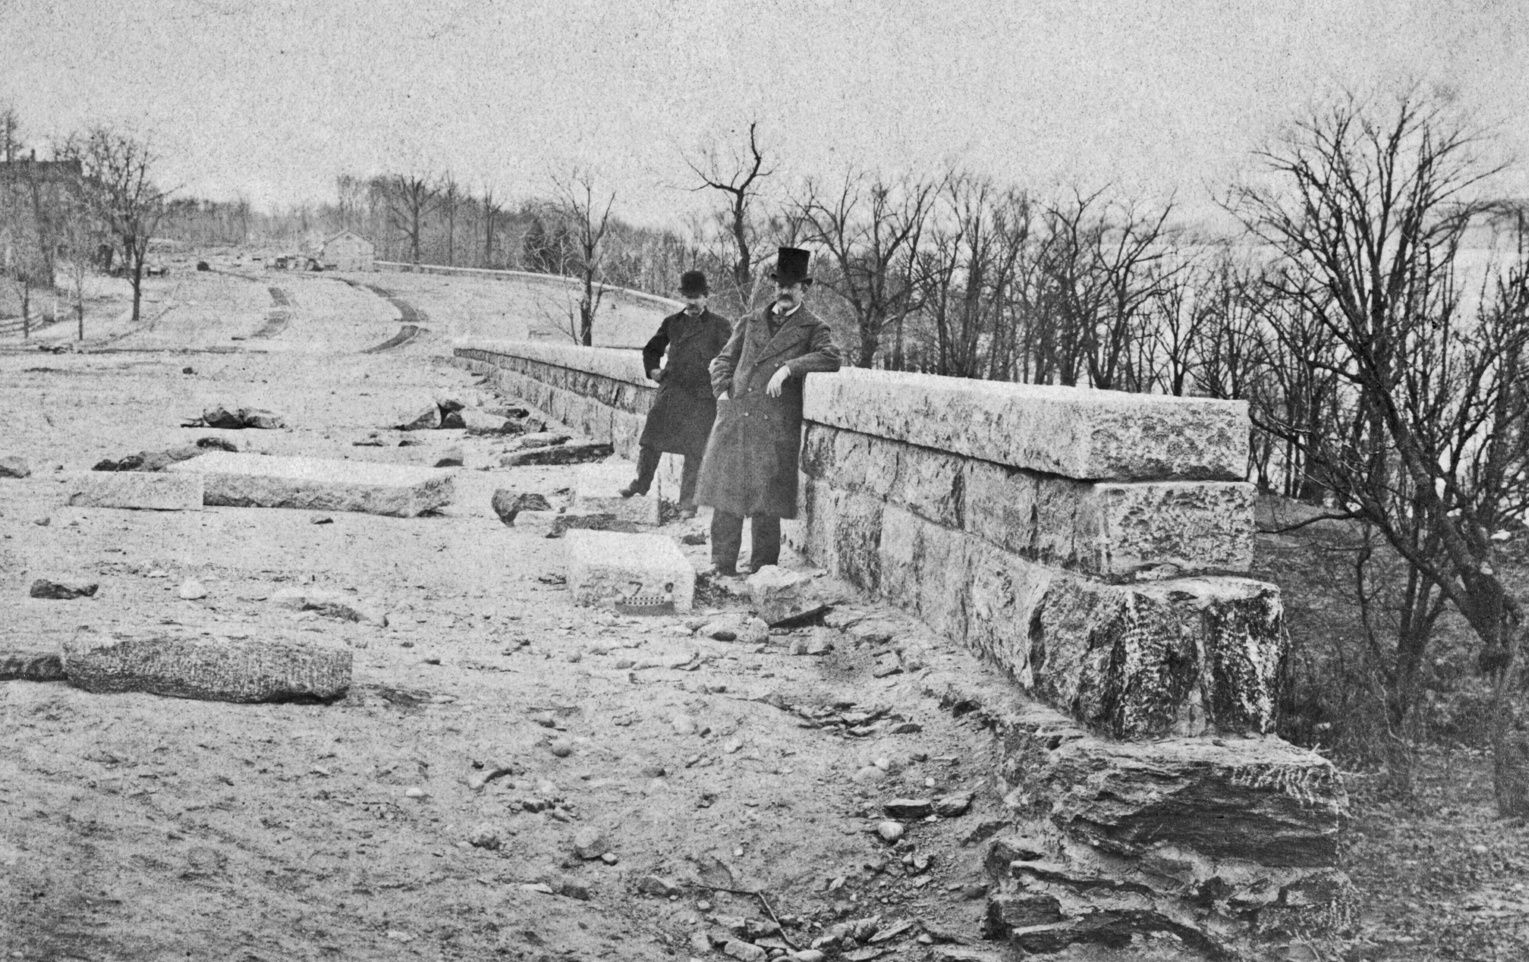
347 251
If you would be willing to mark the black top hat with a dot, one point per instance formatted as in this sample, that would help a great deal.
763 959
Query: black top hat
693 284
791 266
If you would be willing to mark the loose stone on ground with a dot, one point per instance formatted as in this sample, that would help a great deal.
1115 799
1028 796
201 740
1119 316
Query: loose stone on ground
249 480
134 490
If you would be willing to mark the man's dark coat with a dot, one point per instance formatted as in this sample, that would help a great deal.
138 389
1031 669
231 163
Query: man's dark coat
751 459
680 421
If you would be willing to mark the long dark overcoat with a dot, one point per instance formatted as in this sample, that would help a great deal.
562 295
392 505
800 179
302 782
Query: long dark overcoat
751 459
680 421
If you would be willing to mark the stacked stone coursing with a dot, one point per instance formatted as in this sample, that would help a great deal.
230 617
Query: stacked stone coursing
1093 545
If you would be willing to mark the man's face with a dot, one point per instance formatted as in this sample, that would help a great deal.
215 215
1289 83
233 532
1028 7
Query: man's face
788 295
694 304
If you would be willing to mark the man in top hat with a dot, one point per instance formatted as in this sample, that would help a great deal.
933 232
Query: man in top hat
751 458
680 421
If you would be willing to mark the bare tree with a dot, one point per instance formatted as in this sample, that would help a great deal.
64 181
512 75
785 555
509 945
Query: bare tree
737 178
116 181
870 227
1367 218
411 198
450 196
588 221
492 208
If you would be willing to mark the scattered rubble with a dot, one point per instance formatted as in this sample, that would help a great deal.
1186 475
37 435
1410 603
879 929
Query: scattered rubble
238 419
63 590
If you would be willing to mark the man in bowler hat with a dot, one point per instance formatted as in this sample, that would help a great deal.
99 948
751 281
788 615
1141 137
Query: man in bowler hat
751 458
680 421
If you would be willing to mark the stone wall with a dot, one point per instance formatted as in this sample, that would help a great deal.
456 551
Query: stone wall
1093 545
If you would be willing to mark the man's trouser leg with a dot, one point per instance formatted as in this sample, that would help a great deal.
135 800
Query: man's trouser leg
764 533
726 539
647 466
690 473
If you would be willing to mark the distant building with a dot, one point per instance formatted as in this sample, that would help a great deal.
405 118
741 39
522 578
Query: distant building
347 251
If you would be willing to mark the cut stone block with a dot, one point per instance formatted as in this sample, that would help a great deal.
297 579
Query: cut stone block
597 491
252 480
1119 531
206 668
136 489
779 594
606 568
1078 433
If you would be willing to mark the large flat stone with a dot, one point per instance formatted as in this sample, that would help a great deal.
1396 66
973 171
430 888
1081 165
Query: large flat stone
606 568
205 668
596 491
136 489
252 480
1077 433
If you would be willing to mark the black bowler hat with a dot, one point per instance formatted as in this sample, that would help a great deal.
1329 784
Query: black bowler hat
791 266
693 284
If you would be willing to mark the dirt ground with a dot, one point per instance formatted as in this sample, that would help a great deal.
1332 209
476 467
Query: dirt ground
139 827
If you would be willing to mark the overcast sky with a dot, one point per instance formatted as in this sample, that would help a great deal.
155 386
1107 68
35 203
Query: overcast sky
273 99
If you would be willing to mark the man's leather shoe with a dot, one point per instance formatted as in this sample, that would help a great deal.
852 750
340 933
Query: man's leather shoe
631 489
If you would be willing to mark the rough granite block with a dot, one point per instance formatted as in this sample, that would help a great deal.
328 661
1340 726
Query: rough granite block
1078 433
260 481
1118 531
151 491
596 490
605 568
206 668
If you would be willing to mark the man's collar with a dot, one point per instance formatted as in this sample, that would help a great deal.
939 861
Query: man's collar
794 309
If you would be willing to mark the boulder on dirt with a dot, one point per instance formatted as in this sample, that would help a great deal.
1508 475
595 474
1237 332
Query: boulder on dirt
481 422
778 593
219 416
630 571
589 843
452 420
207 668
508 504
428 419
63 590
658 886
573 452
202 266
953 805
192 590
261 419
319 484
136 490
755 632
909 807
450 458
14 467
